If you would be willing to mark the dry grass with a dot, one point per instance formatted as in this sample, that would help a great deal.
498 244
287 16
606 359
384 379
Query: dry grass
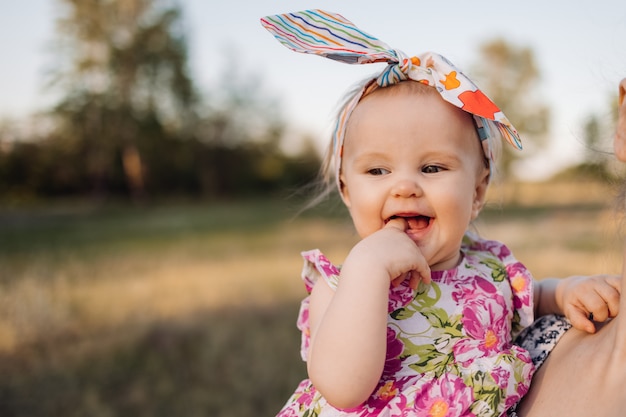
75 289
197 305
558 230
171 282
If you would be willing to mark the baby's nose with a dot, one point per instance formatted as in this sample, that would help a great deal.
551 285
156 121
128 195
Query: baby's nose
406 187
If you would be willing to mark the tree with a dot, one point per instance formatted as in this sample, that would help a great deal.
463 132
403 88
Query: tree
130 121
592 135
509 76
598 132
122 71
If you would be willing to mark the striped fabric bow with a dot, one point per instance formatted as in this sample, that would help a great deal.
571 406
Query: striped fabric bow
332 36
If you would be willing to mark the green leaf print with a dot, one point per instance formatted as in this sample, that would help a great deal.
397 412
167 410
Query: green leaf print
516 326
435 356
309 413
431 360
498 271
439 319
487 393
421 301
422 298
313 412
404 312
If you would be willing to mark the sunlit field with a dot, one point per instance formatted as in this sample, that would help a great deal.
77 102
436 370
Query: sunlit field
189 309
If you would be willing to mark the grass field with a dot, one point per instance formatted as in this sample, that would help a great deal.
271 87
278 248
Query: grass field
189 309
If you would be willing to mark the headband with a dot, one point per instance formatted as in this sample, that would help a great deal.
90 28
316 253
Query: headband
332 36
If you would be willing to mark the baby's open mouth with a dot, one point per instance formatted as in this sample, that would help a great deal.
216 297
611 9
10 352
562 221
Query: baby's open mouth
414 222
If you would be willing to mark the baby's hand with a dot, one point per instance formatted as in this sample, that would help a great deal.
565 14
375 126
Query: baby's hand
585 299
422 272
391 248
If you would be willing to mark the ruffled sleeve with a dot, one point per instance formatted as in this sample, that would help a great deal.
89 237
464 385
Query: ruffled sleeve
316 265
519 278
522 287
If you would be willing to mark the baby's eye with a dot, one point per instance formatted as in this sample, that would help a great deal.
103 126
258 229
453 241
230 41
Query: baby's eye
432 169
377 171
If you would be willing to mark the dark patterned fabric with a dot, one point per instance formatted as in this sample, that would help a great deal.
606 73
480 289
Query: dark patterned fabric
539 339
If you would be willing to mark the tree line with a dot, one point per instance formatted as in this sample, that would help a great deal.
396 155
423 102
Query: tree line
130 121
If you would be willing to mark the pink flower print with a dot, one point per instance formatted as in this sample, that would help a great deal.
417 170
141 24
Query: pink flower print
325 266
485 321
303 326
387 395
288 412
303 398
316 263
475 289
444 397
497 248
527 371
400 296
445 277
307 393
468 350
393 363
521 282
330 269
501 376
386 392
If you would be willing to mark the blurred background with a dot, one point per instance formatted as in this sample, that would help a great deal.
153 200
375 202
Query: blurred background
156 155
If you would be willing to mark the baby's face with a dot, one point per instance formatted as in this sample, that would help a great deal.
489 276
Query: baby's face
415 156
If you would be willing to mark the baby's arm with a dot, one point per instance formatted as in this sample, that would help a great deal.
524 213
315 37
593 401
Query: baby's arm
579 298
349 326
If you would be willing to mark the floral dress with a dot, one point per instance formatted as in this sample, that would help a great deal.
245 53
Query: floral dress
449 343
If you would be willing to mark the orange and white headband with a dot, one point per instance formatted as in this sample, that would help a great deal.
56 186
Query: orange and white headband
332 36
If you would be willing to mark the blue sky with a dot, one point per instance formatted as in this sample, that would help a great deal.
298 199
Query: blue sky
580 47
